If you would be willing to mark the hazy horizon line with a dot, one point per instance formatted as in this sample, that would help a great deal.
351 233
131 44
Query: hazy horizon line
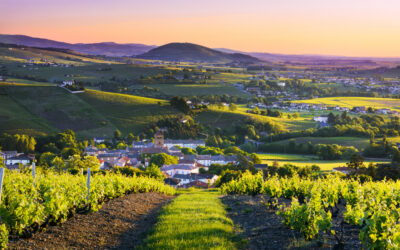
236 50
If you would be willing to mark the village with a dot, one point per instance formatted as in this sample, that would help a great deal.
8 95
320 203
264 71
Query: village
186 173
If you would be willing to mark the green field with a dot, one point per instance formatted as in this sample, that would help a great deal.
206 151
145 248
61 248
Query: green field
198 89
351 102
307 160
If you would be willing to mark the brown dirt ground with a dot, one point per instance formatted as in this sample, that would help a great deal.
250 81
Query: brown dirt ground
121 223
263 228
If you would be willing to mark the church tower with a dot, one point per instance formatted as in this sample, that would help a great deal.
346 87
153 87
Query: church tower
159 140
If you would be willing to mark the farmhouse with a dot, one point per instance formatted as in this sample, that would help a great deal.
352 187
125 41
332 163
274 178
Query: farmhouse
19 159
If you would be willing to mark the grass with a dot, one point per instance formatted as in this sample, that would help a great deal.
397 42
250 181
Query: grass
356 101
195 220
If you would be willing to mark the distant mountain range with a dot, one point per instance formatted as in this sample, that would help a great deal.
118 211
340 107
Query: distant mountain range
189 52
105 48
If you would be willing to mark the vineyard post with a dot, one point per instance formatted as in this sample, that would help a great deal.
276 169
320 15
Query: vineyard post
33 173
1 181
88 184
81 171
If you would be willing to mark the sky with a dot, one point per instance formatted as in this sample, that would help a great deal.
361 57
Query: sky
328 27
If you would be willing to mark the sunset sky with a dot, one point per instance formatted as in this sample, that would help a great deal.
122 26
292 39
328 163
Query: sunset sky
332 27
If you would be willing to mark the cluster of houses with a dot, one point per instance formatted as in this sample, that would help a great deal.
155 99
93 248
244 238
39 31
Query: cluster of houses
184 174
13 159
320 107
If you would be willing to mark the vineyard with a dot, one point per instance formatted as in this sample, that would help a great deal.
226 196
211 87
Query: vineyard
326 205
28 204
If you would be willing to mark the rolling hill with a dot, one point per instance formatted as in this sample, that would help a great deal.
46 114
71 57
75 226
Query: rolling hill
38 109
189 52
105 48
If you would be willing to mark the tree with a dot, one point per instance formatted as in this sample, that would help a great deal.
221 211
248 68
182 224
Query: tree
75 162
243 162
67 152
66 139
232 107
155 172
356 162
121 145
117 134
58 163
396 155
256 110
331 118
91 162
163 159
130 138
255 159
181 104
46 159
187 151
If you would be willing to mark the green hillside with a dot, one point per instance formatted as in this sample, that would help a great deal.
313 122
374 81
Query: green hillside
128 113
39 110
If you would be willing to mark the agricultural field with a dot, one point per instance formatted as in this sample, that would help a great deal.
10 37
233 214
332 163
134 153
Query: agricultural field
358 142
59 108
14 118
351 102
197 89
37 109
128 113
307 160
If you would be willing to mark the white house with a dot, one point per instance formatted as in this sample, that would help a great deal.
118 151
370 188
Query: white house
183 169
281 84
22 158
205 178
321 119
193 144
99 140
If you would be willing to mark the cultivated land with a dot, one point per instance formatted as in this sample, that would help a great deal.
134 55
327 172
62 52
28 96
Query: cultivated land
34 106
351 102
38 110
308 160
127 112
120 223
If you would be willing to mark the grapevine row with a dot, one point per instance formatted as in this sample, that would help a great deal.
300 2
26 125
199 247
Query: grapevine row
374 206
51 198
